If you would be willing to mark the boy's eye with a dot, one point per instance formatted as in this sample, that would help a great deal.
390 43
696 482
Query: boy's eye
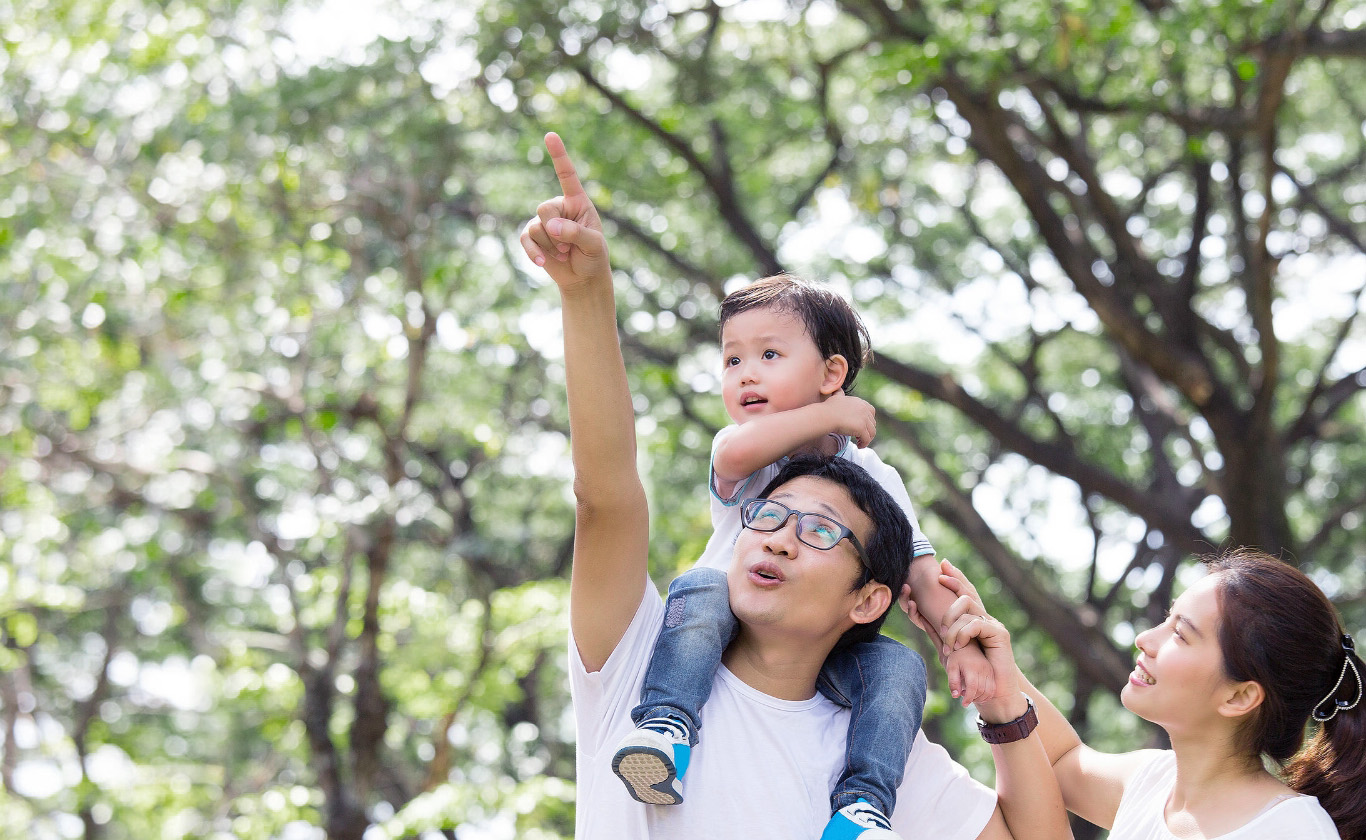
770 354
732 361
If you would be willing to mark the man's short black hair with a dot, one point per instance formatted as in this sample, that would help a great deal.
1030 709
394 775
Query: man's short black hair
829 319
889 544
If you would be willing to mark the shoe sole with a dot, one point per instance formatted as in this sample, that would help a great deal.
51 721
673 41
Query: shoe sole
648 775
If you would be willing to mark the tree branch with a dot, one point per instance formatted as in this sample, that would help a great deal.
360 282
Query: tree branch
1079 631
1162 513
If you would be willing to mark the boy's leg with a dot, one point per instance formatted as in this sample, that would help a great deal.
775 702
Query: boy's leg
883 683
698 624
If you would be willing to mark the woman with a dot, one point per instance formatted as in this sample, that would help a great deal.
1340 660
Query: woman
1246 656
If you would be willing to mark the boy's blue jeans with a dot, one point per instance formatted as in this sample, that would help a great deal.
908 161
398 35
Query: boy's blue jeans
881 682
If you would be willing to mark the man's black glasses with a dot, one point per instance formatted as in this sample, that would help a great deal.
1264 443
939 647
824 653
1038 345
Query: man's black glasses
814 529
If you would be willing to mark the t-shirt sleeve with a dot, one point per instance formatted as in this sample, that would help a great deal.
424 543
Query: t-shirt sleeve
1297 818
1145 787
603 696
937 799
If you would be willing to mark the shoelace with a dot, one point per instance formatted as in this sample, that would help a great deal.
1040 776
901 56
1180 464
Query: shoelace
867 814
667 726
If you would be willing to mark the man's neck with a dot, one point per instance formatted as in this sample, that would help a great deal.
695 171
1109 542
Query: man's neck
777 668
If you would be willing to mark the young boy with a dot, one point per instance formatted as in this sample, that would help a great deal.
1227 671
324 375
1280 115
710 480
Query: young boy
791 352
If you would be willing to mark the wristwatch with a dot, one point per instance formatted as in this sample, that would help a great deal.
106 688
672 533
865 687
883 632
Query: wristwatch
1011 731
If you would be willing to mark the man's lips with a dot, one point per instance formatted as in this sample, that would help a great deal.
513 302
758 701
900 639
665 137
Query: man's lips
766 573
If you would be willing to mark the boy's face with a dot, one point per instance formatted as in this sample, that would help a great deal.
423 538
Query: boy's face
771 364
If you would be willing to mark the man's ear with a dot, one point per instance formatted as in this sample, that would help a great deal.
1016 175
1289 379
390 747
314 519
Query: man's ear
873 600
1242 698
836 368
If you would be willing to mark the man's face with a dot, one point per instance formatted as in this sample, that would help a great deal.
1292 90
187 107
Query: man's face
770 364
779 582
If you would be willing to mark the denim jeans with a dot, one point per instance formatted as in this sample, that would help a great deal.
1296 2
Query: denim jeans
881 682
698 624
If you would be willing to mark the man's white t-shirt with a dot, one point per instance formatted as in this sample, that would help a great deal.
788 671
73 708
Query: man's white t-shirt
1141 809
725 511
765 771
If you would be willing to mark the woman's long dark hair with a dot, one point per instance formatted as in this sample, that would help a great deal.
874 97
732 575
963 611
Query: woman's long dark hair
1279 630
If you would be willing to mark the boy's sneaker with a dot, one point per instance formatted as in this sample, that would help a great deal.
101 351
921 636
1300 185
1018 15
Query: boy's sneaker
651 761
860 820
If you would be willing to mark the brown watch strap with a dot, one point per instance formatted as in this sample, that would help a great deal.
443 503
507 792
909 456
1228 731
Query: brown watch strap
1011 731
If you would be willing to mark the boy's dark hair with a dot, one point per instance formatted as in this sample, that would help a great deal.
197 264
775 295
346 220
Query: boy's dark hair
888 545
829 319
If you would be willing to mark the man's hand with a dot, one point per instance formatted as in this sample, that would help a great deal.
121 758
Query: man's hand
566 237
851 416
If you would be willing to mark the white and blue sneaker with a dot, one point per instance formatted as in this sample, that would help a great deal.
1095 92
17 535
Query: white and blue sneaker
860 820
651 761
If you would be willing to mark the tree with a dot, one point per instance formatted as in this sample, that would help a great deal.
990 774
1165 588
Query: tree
283 503
285 524
1143 220
1093 167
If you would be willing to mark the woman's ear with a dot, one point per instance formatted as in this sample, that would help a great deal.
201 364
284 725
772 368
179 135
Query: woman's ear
873 600
836 368
1242 698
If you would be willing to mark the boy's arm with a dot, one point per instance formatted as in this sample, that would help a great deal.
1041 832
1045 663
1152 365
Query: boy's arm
970 675
611 533
757 443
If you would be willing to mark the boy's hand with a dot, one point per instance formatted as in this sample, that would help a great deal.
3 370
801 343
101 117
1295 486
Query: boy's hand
853 417
968 626
566 237
971 678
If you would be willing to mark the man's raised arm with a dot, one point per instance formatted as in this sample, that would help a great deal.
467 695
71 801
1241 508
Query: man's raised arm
611 533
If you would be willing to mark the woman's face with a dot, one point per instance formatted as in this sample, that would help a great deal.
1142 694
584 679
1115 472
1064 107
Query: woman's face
1178 681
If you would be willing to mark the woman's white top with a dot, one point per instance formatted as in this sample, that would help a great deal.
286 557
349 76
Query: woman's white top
1140 814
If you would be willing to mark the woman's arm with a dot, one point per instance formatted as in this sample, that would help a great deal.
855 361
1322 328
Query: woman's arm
1027 794
1091 782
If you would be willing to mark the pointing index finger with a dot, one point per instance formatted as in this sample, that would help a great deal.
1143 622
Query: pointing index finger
564 167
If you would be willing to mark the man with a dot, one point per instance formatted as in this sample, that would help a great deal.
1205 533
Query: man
774 743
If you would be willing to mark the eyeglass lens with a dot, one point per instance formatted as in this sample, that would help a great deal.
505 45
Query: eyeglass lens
814 529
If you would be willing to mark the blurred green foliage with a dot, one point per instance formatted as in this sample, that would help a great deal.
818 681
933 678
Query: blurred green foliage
285 510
